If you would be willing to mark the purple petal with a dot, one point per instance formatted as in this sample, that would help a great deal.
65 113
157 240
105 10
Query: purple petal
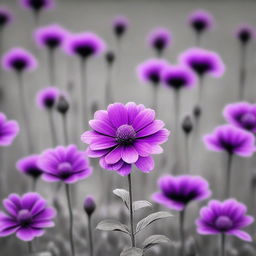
129 154
145 164
241 234
117 114
114 155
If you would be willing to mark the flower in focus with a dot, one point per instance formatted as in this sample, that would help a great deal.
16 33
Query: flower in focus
120 25
245 33
124 135
176 192
227 217
9 129
29 166
66 164
26 215
242 115
89 205
19 60
37 5
47 97
5 16
231 139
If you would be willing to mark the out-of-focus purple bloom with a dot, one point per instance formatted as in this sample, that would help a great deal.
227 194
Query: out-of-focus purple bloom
52 36
125 135
120 25
89 205
150 71
177 191
159 39
84 45
231 139
241 114
66 164
9 129
203 62
47 97
178 77
201 20
26 215
19 60
227 217
5 16
29 166
245 33
38 5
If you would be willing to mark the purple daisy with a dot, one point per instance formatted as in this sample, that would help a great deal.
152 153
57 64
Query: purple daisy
120 25
176 192
9 129
5 16
242 115
26 215
47 98
245 33
227 217
125 135
19 60
66 164
232 140
38 5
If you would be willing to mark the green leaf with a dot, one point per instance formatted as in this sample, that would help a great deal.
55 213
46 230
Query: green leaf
151 218
141 204
124 195
155 240
113 225
132 252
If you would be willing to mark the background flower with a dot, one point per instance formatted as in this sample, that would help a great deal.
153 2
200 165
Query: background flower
47 98
37 5
245 33
120 25
6 16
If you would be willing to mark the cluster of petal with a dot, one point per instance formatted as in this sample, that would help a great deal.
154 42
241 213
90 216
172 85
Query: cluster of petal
47 97
38 5
120 24
6 16
245 32
159 38
125 135
177 191
26 215
201 20
227 217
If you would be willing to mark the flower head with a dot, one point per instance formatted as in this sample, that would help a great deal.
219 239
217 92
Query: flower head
27 216
227 217
5 16
9 129
29 166
66 164
231 139
245 33
19 60
178 77
85 45
120 25
38 5
47 97
203 62
89 205
124 135
177 191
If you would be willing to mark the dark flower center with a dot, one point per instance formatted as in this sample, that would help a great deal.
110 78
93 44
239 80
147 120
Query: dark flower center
24 217
125 134
3 19
199 25
180 196
159 44
201 67
119 30
49 102
37 4
65 170
34 172
248 121
84 51
19 64
244 36
176 82
154 78
223 223
52 42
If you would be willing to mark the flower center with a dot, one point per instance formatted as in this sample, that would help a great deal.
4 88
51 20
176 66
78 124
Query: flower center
65 170
248 121
24 217
223 223
125 134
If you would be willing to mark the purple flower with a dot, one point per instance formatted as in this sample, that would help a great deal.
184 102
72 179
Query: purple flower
201 20
26 215
66 164
203 62
89 205
125 135
19 60
38 5
245 33
47 98
231 139
52 36
84 45
159 39
8 130
5 16
242 115
29 166
227 217
150 71
120 25
177 191
178 77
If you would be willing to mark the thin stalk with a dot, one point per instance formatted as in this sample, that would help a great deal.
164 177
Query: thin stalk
228 175
198 39
187 155
200 90
84 98
52 127
30 247
182 233
242 71
131 211
65 129
108 92
34 184
51 66
222 245
176 101
155 97
90 234
37 18
71 237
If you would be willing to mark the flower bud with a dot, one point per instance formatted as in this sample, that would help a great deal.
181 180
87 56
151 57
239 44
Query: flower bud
89 205
110 58
197 111
62 105
187 125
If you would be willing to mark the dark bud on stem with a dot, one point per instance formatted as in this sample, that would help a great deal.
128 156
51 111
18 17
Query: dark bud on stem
62 105
197 111
187 125
110 58
244 36
89 205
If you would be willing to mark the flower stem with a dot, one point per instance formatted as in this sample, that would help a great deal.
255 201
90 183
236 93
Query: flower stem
34 184
131 211
90 234
65 129
228 175
108 92
52 127
176 101
187 155
155 97
182 233
30 247
222 244
200 89
71 238
51 66
83 93
242 74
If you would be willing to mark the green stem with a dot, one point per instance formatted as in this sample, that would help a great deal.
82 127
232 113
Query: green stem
131 211
182 233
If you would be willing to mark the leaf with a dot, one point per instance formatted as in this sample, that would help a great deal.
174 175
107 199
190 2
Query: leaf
151 218
132 252
141 204
113 225
124 195
154 240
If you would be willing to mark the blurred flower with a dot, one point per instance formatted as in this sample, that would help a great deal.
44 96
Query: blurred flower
29 166
187 125
62 104
37 5
203 62
125 135
177 191
5 16
19 60
120 25
197 111
89 205
227 217
231 139
242 115
9 129
47 97
66 164
245 33
26 215
110 57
